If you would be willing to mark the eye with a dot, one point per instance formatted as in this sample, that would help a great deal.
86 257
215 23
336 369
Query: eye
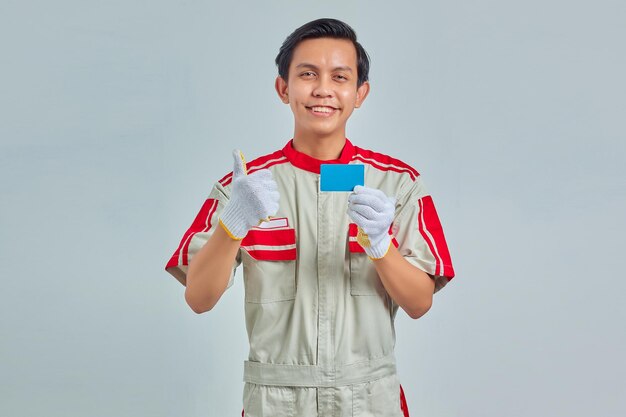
342 77
308 72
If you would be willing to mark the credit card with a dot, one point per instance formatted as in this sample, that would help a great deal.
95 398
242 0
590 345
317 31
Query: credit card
341 177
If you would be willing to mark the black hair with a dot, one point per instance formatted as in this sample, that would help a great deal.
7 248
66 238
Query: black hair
322 28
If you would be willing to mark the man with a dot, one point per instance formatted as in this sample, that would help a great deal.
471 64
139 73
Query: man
324 272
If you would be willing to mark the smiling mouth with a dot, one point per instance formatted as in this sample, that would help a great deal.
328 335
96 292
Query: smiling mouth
322 111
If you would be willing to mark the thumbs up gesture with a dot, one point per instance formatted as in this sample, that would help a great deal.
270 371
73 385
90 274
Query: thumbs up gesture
253 199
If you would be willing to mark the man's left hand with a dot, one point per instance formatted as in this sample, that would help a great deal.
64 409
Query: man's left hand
373 213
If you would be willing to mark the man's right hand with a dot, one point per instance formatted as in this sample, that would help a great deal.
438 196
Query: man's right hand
253 199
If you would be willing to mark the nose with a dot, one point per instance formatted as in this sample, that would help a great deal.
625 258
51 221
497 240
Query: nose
323 87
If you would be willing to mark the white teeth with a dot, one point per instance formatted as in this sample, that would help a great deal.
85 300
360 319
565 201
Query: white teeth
322 109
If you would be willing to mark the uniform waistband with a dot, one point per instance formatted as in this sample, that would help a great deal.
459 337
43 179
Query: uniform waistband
318 376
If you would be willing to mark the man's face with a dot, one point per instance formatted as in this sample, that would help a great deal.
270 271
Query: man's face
322 72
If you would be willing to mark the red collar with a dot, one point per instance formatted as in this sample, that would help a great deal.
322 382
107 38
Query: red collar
308 163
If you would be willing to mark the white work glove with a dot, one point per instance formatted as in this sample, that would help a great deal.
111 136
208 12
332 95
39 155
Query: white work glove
373 213
253 198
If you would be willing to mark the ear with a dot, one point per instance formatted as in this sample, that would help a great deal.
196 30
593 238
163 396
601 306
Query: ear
361 93
282 89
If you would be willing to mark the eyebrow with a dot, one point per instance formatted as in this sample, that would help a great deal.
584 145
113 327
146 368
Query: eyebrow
306 64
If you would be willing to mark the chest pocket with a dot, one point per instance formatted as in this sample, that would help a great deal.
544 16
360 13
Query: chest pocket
364 279
269 264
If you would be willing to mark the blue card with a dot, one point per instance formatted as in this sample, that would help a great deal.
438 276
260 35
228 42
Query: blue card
341 177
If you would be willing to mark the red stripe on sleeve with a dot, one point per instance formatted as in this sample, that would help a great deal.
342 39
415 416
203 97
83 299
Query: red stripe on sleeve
202 223
431 230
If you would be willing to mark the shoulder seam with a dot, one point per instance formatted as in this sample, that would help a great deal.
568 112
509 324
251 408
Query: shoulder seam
264 161
384 162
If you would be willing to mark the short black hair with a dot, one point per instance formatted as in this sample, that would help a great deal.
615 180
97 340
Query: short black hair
322 28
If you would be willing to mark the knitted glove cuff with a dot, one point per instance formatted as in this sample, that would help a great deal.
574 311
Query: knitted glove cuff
380 248
233 221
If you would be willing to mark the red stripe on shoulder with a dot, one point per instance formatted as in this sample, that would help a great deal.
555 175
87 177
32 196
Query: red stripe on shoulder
261 162
384 162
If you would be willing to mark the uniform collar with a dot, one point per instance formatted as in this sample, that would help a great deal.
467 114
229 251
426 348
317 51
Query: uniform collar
308 163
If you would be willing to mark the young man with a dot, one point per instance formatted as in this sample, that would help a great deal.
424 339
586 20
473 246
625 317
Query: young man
324 272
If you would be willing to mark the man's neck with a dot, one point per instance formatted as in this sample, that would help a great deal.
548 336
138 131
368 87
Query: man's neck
324 149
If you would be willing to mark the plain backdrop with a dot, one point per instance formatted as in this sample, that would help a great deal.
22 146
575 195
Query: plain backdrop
117 117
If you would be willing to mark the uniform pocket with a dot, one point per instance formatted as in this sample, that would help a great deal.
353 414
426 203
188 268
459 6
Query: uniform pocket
364 279
379 398
269 264
268 401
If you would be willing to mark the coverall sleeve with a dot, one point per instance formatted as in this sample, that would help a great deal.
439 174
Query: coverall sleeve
420 235
198 234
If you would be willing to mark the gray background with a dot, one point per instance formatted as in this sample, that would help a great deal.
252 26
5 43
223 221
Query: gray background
117 117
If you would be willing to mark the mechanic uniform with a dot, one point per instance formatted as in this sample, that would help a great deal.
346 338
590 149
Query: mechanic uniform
319 321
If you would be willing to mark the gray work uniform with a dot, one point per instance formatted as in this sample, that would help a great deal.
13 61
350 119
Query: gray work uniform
319 320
